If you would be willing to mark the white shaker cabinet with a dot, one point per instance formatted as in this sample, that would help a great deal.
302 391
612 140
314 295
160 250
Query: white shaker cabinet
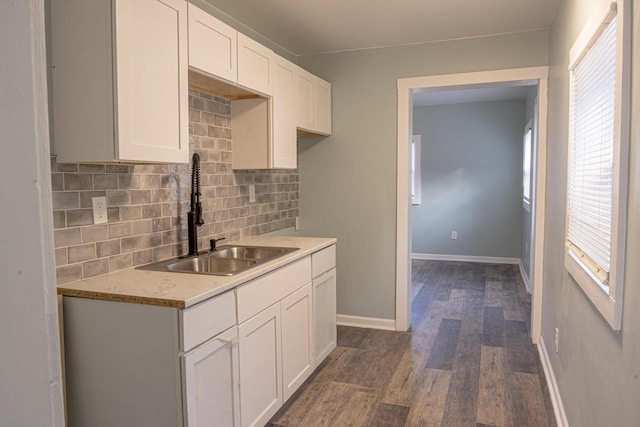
322 98
119 76
284 144
324 302
297 339
264 134
212 45
260 367
255 65
211 379
305 105
313 104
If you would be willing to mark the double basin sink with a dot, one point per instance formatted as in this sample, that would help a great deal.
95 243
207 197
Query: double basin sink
223 261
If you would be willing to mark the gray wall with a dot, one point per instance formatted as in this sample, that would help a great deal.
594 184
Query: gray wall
471 179
348 180
527 218
598 370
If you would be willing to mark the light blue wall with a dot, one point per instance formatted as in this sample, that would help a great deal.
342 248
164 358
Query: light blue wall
597 369
348 180
471 179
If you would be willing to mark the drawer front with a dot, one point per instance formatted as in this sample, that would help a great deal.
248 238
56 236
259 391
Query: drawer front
255 296
207 319
323 260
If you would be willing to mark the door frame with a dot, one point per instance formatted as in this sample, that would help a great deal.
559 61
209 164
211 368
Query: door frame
505 77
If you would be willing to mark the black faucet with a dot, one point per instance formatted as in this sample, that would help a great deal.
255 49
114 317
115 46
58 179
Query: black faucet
194 217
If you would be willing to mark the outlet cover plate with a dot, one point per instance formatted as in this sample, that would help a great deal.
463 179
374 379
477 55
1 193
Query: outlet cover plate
99 210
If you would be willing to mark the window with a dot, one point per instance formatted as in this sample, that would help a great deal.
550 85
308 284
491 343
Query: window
526 166
598 160
416 190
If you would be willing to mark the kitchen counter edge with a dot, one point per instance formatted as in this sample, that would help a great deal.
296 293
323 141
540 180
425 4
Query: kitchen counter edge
183 290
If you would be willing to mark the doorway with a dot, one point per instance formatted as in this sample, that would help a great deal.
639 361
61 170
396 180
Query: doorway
459 82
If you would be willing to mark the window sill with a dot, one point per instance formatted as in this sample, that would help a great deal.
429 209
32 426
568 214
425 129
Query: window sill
597 292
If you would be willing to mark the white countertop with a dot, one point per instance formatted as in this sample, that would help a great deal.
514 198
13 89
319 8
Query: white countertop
182 290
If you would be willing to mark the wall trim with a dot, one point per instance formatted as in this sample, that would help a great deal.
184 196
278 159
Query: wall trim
554 392
366 322
525 278
466 258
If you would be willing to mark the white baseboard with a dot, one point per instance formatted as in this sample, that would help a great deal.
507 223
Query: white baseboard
366 322
525 278
558 408
466 258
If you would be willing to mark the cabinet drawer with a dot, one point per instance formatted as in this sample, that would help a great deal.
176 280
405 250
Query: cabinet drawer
207 319
267 290
323 260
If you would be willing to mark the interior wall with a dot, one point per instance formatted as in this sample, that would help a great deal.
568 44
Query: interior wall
471 173
30 374
348 180
596 368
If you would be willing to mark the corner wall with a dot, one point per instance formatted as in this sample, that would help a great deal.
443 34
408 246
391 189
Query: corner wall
30 372
597 369
348 180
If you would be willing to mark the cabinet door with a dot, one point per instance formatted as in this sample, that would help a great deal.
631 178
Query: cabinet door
297 339
305 105
255 65
322 95
324 309
211 382
151 81
212 45
284 144
260 367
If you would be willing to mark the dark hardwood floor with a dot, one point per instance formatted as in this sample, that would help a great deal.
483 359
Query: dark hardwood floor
467 361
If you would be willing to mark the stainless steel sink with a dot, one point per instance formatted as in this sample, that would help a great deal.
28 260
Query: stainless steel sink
224 261
249 252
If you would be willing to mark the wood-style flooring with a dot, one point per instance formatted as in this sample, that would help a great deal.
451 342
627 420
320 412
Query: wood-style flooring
467 361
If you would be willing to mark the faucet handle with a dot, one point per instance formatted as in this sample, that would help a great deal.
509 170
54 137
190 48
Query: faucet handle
213 242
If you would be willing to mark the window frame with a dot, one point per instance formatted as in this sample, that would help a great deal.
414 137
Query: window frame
526 201
608 298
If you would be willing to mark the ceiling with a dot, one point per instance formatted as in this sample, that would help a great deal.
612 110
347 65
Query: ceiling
305 27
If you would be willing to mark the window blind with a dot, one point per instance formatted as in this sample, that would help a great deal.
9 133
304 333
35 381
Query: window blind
590 180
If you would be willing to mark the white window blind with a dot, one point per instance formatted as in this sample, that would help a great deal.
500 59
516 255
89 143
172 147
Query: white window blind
591 149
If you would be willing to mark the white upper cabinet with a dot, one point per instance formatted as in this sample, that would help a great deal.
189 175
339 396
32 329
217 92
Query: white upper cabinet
212 45
284 144
255 65
219 51
322 98
120 87
305 105
313 104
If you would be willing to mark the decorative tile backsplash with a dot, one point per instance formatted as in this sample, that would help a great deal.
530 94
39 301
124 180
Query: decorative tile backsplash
147 205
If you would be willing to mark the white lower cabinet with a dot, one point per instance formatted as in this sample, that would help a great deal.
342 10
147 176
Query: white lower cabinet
260 367
211 382
297 339
231 360
324 309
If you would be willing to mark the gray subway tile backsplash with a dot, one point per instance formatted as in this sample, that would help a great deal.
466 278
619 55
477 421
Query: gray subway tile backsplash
147 204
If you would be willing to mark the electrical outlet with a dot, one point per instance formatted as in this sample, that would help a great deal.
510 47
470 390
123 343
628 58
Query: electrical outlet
297 223
454 235
252 193
99 209
556 339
